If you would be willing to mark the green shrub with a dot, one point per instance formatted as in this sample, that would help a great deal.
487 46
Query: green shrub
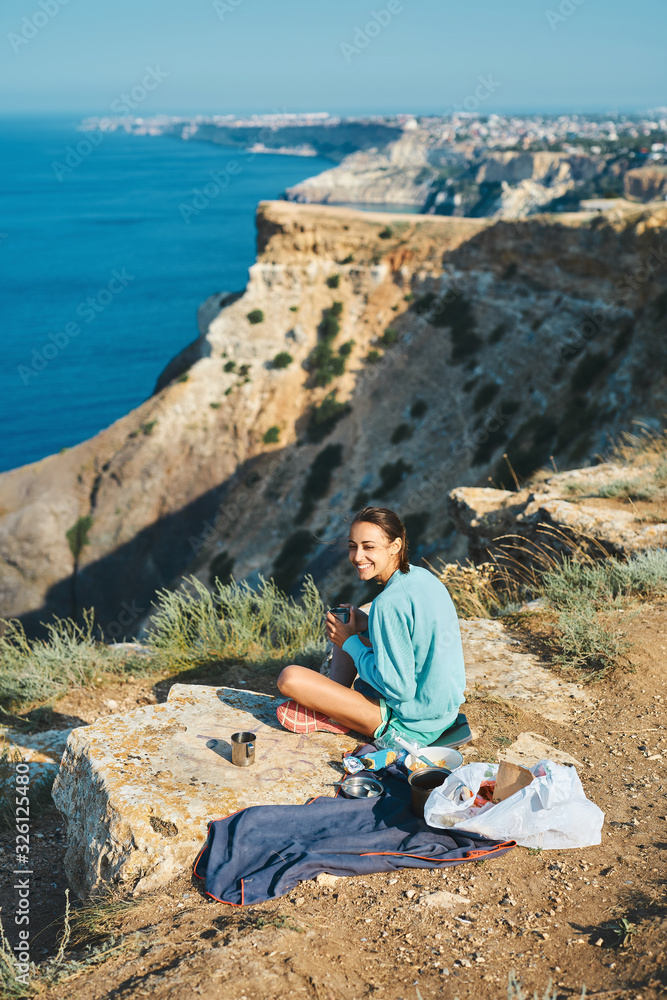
147 428
578 588
348 260
184 377
373 357
409 297
282 360
292 558
486 448
325 365
272 436
608 583
228 390
323 418
484 395
386 233
215 406
425 303
392 473
346 349
333 280
457 314
194 627
322 362
627 489
77 535
318 481
293 309
42 669
401 433
329 327
336 309
624 336
418 409
243 370
390 336
220 569
229 366
586 644
659 306
255 316
587 370
415 526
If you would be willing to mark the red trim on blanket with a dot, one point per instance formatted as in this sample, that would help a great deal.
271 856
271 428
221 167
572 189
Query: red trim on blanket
420 857
226 901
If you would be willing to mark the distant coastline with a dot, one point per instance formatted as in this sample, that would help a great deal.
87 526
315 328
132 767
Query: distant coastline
464 163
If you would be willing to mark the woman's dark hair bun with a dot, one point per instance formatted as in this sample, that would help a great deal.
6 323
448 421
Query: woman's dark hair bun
391 525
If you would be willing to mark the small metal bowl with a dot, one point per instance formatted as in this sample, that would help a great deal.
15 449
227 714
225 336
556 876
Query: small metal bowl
359 787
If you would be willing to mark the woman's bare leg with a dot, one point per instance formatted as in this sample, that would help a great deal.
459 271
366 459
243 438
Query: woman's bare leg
313 690
342 670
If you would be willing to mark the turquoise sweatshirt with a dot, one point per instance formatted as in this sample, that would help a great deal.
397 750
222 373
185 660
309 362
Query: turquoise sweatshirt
416 659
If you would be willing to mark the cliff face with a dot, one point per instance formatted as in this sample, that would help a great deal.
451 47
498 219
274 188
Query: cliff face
447 179
399 174
646 184
536 338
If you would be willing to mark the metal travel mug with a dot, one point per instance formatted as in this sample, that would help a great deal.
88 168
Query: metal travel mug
343 614
243 749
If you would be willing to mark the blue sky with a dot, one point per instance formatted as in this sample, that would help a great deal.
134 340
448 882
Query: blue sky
79 56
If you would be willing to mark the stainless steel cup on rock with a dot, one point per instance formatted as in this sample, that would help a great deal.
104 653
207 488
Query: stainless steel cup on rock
243 749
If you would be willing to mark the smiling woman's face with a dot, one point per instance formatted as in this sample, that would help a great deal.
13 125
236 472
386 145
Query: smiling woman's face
371 553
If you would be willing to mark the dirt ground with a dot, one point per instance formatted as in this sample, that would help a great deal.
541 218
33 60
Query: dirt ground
543 915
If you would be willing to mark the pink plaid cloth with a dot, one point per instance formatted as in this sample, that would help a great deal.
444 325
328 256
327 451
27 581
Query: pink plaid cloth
298 719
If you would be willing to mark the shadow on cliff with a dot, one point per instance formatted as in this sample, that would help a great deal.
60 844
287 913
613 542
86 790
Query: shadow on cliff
121 585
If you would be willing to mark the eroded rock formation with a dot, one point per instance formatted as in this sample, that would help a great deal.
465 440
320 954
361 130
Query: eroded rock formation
538 338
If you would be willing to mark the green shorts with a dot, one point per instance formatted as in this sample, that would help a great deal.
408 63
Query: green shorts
391 725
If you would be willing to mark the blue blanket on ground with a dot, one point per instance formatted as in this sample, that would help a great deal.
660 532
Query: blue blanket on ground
265 851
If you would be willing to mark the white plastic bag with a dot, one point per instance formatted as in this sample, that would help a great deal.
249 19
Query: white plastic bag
552 812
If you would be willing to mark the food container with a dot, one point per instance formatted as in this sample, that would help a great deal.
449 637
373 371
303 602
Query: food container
358 786
422 784
439 756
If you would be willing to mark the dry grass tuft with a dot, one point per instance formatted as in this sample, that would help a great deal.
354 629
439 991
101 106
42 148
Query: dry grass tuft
473 589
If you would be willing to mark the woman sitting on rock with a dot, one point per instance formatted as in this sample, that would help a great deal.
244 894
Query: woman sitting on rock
399 669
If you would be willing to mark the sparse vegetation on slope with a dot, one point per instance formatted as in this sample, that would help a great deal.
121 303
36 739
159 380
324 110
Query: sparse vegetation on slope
40 669
194 627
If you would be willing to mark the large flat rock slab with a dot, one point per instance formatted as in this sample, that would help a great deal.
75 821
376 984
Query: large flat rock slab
138 789
566 505
496 662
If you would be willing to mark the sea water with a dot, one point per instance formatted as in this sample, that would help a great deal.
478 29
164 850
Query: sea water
119 248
